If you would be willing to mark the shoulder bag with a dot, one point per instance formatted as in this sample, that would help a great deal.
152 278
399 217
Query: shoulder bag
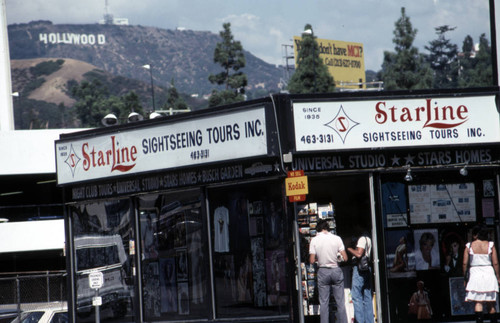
364 261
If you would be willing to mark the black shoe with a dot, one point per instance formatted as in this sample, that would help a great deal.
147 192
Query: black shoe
479 317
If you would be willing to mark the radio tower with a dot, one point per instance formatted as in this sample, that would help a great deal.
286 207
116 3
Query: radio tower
108 18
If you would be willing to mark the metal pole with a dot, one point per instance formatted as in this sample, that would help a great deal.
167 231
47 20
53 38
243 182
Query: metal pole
298 260
6 110
152 86
97 314
48 286
375 250
18 296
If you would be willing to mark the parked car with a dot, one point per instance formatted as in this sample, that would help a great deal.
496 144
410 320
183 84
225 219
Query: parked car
48 313
7 314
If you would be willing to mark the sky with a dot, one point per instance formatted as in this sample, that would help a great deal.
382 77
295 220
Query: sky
264 26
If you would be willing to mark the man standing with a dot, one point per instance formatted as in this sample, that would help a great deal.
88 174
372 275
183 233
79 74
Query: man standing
325 247
361 289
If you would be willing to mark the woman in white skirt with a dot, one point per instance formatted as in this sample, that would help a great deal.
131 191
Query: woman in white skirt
482 287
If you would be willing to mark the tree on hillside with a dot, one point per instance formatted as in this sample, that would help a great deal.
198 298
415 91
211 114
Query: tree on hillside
443 59
312 75
468 46
466 62
174 100
476 67
405 68
229 55
132 103
94 102
90 108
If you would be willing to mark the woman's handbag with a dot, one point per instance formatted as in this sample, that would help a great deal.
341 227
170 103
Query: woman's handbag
364 262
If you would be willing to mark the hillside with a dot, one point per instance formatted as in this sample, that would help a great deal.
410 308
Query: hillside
44 87
54 89
185 56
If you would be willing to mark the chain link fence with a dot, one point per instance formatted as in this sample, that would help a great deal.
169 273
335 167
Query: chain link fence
26 291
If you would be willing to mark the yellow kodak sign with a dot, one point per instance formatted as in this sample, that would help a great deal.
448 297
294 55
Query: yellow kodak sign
296 186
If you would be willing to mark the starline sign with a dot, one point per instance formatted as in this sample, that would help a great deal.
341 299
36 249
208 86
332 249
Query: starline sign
120 159
435 117
193 142
395 123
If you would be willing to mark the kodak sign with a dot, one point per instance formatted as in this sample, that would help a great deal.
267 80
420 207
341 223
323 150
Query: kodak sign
296 186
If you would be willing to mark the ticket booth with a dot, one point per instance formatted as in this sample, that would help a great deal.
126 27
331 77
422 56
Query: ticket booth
184 216
188 217
414 170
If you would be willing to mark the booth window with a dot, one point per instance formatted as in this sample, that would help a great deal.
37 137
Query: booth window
174 256
427 223
104 241
249 238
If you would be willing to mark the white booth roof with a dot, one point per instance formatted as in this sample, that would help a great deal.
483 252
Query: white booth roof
29 151
31 236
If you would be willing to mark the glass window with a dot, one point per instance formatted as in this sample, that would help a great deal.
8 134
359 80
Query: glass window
104 241
249 238
174 255
427 222
60 318
29 317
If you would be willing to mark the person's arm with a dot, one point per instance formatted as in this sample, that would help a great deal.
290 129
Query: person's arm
465 263
312 251
428 302
344 255
358 252
312 258
413 299
494 262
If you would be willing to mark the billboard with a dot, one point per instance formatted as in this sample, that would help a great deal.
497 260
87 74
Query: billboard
384 123
345 60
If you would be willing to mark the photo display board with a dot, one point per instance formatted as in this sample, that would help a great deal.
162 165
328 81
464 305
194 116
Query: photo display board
442 203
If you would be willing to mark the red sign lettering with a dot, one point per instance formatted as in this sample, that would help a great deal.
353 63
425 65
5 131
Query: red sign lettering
119 158
434 116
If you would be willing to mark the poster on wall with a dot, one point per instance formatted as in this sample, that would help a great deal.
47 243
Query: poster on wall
442 203
168 285
452 244
488 207
488 188
426 249
395 220
394 205
457 298
221 229
400 254
183 296
152 289
258 272
275 277
149 239
182 264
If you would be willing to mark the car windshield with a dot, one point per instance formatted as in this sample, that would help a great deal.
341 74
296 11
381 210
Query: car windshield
60 318
29 317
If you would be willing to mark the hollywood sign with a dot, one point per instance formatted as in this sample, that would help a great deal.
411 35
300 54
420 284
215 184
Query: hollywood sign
72 38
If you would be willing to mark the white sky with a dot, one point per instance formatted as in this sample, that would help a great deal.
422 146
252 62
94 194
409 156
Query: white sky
263 26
